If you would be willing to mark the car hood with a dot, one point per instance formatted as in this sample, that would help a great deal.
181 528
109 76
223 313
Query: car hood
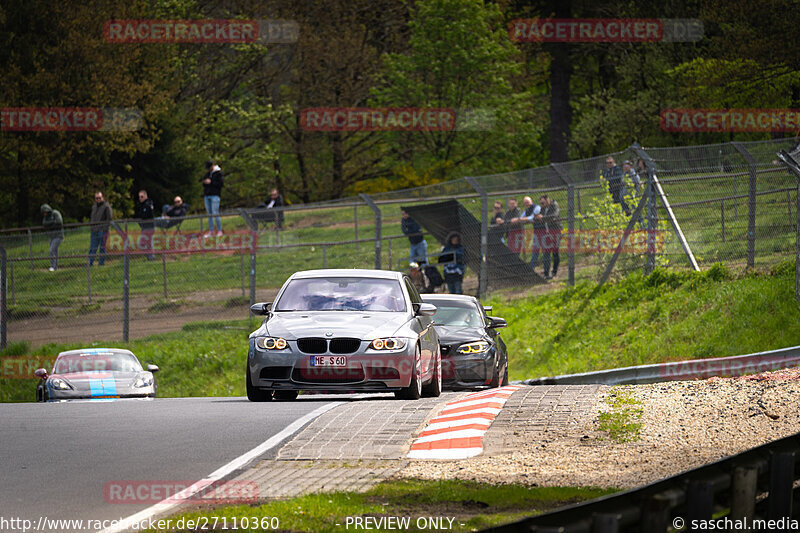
459 334
294 325
101 383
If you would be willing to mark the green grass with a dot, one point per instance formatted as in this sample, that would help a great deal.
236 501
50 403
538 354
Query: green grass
472 506
203 359
667 316
622 419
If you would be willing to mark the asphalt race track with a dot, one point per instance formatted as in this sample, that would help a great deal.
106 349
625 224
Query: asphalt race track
58 457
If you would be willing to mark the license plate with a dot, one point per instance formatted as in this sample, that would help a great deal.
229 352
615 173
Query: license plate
328 360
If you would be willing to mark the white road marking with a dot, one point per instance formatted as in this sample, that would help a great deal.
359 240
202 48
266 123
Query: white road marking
174 500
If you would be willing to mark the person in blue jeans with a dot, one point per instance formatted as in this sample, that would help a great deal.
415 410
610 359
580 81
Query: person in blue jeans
419 247
212 188
101 218
452 256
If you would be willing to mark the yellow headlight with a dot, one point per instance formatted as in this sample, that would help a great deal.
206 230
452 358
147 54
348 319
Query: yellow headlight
473 347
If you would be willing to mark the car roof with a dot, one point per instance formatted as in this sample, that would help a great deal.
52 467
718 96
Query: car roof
347 273
96 351
444 297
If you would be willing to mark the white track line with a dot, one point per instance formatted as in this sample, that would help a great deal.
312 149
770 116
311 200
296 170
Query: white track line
174 500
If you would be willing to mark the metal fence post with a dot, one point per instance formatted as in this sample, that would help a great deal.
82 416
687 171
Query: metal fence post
164 272
483 275
794 168
378 223
743 492
30 246
571 233
3 303
126 260
89 281
570 219
355 223
751 204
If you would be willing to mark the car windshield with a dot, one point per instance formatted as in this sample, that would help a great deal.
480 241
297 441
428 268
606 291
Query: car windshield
451 313
96 362
342 294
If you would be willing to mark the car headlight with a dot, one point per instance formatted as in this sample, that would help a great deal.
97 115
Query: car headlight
391 343
271 343
143 381
60 384
473 347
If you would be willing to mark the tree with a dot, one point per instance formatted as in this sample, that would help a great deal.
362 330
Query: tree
460 57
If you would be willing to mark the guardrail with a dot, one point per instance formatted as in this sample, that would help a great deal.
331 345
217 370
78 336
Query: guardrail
750 491
681 370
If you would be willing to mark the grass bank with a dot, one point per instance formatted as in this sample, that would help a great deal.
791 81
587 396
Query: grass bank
666 316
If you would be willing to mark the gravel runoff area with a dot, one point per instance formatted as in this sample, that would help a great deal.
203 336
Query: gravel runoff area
685 424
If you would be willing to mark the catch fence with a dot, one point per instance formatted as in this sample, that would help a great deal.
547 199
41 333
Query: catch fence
735 203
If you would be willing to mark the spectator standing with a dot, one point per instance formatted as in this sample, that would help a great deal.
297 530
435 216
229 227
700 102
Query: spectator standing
275 201
54 225
613 175
532 214
512 230
452 256
499 217
551 215
176 212
212 188
101 219
629 175
145 213
419 246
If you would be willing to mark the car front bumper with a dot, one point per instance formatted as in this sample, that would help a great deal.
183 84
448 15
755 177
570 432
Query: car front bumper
365 370
467 371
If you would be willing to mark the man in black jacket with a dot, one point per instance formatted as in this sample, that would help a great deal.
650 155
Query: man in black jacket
419 246
144 212
212 188
275 201
101 218
551 215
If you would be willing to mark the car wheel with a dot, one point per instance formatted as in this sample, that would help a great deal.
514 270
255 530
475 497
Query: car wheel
495 379
285 394
505 376
434 388
414 389
254 394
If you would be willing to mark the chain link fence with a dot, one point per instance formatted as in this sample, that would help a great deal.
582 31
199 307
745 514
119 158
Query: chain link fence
735 203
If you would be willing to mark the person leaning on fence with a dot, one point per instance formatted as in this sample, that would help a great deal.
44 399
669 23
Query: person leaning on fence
54 225
144 212
213 182
452 255
513 212
532 214
100 218
419 246
551 215
616 187
275 201
498 217
172 215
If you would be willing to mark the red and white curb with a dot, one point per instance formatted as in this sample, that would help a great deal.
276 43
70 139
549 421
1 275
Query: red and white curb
457 432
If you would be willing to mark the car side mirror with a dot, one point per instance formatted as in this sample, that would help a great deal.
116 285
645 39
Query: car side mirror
261 308
497 322
152 368
424 309
487 309
41 373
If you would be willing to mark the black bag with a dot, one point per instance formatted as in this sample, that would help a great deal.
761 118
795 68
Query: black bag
433 276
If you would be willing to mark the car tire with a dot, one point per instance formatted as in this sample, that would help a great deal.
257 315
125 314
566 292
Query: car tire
495 379
285 394
254 394
434 388
414 389
505 377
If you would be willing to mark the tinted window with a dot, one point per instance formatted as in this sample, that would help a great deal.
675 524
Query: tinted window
342 294
454 313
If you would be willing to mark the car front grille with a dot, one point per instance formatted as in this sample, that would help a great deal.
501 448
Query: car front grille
312 345
344 345
317 345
